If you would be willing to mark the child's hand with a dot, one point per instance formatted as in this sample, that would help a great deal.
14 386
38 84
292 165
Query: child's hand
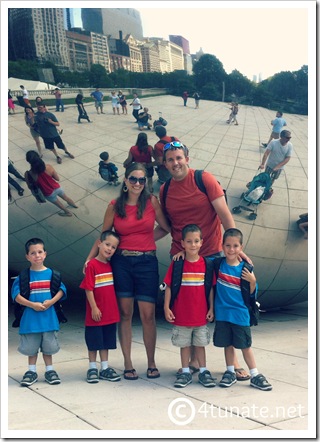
248 276
178 255
38 307
84 267
210 315
47 303
169 315
96 314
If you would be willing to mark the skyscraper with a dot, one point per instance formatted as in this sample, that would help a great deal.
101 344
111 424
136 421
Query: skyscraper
39 34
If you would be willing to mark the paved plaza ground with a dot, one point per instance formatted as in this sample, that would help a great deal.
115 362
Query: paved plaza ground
149 408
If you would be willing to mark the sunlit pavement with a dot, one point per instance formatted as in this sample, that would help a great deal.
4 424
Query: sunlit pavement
153 407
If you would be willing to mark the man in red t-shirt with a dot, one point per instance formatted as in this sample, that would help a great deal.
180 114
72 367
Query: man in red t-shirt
163 173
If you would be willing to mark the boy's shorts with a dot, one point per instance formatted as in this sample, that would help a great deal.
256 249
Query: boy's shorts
47 342
101 337
226 334
186 336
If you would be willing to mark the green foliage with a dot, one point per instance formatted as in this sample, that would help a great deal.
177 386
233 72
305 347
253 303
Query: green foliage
208 69
98 76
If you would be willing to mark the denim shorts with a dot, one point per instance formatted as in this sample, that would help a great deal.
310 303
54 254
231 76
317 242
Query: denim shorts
226 334
47 342
101 337
186 336
54 196
136 277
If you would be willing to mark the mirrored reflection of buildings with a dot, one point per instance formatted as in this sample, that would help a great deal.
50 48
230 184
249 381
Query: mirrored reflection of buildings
75 39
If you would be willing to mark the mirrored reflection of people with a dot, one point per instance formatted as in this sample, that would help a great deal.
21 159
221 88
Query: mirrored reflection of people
11 106
123 102
143 119
47 179
303 224
47 125
97 95
278 153
162 171
17 174
185 201
142 153
196 97
59 103
81 110
135 264
136 106
32 125
185 96
233 114
25 95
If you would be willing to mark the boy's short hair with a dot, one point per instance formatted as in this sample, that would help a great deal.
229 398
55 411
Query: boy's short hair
191 228
33 242
104 235
233 232
104 156
279 112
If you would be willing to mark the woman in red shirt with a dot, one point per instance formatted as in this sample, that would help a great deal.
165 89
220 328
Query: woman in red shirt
142 153
135 264
47 179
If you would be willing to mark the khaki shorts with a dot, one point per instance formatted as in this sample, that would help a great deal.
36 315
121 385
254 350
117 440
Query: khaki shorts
275 135
185 336
47 342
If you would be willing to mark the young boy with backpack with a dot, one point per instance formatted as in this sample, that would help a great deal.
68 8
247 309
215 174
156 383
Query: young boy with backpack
191 307
232 317
108 170
39 321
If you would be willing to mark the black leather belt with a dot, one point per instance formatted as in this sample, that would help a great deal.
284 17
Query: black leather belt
135 252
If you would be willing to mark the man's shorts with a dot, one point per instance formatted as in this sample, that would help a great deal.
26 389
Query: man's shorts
101 337
274 174
275 135
50 142
47 342
226 334
136 277
186 336
54 196
98 104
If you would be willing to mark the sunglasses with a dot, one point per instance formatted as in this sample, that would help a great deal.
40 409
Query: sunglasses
287 138
134 180
173 145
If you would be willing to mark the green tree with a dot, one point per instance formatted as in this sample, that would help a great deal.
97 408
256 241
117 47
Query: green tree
238 84
98 76
209 69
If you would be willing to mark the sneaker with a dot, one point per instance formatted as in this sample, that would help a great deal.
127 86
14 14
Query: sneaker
264 144
229 378
29 378
52 377
259 381
92 376
20 192
206 379
109 375
183 379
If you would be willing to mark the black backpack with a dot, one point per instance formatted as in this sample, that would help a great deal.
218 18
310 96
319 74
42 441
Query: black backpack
199 182
177 271
24 284
250 302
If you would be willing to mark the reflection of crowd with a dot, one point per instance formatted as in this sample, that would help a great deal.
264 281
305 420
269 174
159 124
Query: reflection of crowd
130 253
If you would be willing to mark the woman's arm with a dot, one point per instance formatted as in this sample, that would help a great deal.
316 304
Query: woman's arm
160 217
128 161
52 172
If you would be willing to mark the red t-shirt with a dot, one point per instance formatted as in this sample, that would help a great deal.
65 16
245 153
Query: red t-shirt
136 234
99 279
47 183
190 306
158 148
186 204
141 157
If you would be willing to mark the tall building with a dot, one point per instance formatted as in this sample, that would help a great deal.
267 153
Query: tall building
109 21
39 34
80 49
182 42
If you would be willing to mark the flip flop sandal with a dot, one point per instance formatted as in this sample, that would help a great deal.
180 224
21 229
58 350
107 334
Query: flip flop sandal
239 377
130 378
64 214
152 370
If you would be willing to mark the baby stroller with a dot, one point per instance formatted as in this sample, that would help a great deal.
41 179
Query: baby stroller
160 122
259 189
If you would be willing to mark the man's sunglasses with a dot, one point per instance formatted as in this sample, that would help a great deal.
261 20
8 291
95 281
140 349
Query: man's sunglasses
173 145
134 180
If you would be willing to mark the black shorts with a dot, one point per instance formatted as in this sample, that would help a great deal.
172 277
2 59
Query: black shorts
101 337
50 142
226 334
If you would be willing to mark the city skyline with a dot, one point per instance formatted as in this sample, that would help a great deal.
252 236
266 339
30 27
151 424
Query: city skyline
235 34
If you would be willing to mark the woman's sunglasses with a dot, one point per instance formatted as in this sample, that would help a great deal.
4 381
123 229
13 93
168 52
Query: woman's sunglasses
134 180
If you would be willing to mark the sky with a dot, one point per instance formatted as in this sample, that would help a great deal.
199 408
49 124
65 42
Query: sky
256 38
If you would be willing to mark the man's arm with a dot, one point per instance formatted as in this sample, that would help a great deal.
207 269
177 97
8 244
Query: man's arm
222 210
264 159
285 161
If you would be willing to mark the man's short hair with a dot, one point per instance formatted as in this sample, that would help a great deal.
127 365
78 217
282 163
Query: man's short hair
161 131
285 133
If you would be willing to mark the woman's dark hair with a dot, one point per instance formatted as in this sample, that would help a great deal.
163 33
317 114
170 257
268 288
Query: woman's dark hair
37 164
38 99
121 201
28 107
142 142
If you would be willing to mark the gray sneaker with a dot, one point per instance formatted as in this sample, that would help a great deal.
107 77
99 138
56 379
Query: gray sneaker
109 375
206 379
29 378
229 378
259 381
183 379
92 376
